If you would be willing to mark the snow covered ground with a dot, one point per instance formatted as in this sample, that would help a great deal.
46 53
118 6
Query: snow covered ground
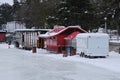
17 64
115 41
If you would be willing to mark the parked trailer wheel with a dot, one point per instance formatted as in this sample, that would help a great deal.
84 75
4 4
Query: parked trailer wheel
83 54
80 54
16 44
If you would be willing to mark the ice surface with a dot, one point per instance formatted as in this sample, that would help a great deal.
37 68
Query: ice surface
17 64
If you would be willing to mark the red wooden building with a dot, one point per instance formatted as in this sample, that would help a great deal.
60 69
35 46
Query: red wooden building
2 36
55 40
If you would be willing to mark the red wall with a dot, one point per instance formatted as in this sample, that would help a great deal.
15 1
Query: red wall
2 37
51 44
60 40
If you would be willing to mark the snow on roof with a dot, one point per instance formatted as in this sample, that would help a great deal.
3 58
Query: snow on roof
2 31
85 35
58 31
52 32
22 30
47 35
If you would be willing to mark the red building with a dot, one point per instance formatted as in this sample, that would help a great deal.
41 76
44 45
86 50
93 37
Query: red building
55 39
2 36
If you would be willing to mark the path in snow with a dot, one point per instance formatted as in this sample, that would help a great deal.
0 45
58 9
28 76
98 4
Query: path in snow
18 64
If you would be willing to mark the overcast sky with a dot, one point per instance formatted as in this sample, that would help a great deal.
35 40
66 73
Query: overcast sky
6 1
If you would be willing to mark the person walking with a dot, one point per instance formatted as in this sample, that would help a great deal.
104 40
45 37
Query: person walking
9 43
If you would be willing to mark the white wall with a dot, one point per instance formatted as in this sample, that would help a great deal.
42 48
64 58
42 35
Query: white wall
11 26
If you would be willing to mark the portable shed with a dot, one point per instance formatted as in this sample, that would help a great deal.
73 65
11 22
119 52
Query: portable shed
55 39
28 38
92 44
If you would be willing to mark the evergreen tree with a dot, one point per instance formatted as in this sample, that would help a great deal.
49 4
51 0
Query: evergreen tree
37 12
5 13
16 8
89 14
106 8
79 12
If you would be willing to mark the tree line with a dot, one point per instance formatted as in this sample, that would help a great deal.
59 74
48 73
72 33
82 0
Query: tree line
89 14
5 13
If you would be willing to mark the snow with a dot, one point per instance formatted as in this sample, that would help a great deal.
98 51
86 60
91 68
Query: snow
32 29
47 35
2 31
18 64
110 63
115 41
53 32
85 35
6 1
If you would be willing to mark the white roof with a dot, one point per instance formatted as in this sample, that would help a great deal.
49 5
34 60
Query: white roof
32 29
85 35
49 34
2 31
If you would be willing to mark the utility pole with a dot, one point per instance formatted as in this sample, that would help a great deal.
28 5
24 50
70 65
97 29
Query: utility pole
105 18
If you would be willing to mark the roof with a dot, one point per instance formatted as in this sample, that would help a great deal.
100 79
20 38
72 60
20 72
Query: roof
71 36
86 35
30 30
1 31
57 31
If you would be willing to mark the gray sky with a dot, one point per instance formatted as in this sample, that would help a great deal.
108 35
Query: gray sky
6 1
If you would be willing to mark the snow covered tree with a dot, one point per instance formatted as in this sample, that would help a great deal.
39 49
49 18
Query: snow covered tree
36 12
70 12
5 13
108 9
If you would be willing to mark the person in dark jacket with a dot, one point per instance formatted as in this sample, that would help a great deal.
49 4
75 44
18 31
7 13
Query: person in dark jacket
9 43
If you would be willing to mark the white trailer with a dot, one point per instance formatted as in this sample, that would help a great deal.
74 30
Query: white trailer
92 44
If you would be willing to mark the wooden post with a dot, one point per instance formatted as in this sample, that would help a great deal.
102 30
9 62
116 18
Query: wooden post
33 49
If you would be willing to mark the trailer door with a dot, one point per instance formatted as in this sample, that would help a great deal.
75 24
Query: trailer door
98 45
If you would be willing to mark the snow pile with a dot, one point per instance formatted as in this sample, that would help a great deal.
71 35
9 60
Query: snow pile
5 46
